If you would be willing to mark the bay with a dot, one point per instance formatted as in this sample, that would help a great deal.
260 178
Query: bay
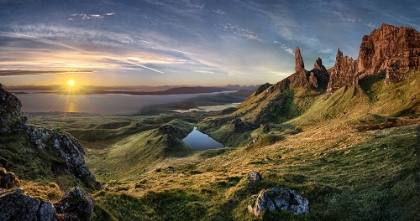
106 104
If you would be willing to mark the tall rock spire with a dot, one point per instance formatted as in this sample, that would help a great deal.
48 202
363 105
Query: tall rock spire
344 72
299 61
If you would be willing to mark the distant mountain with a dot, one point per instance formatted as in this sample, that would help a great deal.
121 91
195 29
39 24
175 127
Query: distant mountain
240 87
178 90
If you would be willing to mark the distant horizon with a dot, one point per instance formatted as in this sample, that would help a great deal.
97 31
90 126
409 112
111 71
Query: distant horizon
129 86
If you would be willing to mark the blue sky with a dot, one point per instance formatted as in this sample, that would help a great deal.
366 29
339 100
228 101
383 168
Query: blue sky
190 42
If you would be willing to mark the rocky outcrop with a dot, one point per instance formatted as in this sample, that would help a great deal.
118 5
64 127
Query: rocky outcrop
317 78
344 72
7 179
11 119
254 176
70 150
171 130
279 199
261 89
389 50
237 125
299 66
13 122
75 205
392 47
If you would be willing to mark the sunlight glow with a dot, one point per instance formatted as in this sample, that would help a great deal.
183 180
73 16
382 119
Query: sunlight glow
71 82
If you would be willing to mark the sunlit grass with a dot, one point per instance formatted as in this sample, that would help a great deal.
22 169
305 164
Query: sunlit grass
346 173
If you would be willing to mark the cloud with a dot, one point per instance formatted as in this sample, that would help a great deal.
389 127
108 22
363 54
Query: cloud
82 16
370 25
220 12
280 73
240 31
344 17
39 72
204 72
58 55
285 48
96 16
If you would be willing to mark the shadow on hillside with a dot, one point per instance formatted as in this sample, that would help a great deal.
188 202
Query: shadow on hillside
168 205
367 82
416 150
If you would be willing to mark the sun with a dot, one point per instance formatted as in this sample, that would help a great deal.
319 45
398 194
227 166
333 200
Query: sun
71 82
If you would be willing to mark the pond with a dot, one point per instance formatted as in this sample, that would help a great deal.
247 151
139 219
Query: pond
199 141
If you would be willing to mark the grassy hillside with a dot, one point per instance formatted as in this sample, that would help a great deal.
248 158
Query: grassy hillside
353 153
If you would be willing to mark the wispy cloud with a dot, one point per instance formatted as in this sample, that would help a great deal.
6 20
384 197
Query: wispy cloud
285 48
40 72
204 72
240 31
370 25
280 73
344 17
82 16
219 11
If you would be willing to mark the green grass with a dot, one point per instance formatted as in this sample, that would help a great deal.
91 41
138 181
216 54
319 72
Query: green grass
309 142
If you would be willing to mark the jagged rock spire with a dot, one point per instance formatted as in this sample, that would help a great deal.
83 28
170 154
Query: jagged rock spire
344 72
299 61
318 64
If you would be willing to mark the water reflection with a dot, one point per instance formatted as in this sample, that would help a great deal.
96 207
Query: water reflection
199 141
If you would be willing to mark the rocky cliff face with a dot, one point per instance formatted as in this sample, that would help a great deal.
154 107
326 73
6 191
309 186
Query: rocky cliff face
76 204
13 122
390 47
344 72
11 119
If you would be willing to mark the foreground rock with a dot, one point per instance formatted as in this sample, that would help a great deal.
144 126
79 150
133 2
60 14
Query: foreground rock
7 179
12 122
254 176
279 199
76 205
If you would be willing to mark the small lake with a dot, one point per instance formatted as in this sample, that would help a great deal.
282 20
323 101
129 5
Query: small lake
199 141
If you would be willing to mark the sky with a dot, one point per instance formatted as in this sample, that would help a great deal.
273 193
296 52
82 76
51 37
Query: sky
182 42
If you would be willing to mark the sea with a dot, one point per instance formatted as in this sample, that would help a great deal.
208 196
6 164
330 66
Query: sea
104 104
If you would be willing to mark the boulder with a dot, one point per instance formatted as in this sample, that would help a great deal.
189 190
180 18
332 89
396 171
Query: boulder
76 205
16 206
254 176
7 179
279 199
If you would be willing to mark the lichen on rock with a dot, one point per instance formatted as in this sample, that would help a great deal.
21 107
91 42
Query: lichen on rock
279 199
